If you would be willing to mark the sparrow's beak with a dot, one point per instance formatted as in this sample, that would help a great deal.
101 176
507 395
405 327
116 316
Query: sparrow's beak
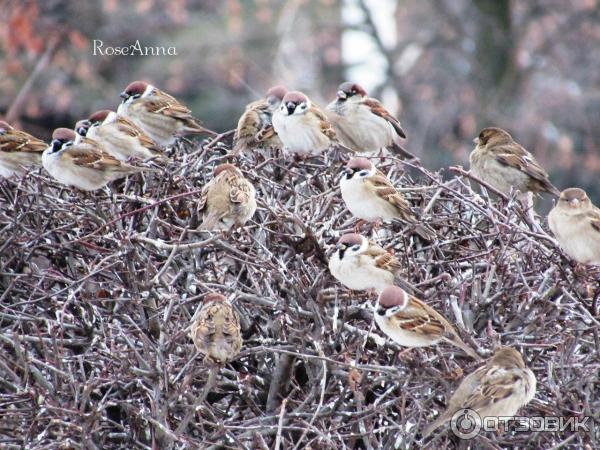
574 202
379 310
124 95
476 141
290 108
341 95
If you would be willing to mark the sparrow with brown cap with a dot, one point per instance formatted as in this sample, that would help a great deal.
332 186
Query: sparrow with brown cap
83 165
302 127
362 123
410 322
118 136
360 264
371 197
255 127
160 115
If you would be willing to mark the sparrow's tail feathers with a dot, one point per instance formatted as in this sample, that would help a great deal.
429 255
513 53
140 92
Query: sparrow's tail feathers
465 348
425 231
210 221
238 147
401 151
192 126
552 189
434 425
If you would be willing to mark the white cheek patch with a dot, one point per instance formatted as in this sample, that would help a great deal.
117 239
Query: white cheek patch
364 246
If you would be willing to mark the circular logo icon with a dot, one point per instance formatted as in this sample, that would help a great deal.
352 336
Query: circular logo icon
465 423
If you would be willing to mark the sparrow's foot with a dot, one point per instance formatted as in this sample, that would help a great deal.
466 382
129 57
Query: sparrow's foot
358 225
376 225
407 355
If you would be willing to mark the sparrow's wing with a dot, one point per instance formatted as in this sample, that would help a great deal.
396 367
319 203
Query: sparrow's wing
127 127
239 192
87 156
593 216
248 127
19 141
378 109
384 189
204 195
175 109
497 384
169 106
217 330
325 125
515 156
417 319
387 261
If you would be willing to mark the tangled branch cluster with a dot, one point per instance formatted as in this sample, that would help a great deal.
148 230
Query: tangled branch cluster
97 293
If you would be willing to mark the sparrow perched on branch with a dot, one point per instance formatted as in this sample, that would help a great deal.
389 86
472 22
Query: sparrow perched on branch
504 164
255 127
216 330
302 127
84 165
118 136
575 222
410 322
360 264
370 196
362 123
161 116
19 151
497 389
227 200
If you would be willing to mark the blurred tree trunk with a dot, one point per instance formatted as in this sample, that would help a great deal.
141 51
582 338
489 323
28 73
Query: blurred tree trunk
495 56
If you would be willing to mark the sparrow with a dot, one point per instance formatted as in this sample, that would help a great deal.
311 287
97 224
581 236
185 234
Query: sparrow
497 389
81 127
19 151
227 200
255 127
302 127
82 165
362 123
162 117
118 136
575 222
360 264
370 196
216 330
410 322
504 164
